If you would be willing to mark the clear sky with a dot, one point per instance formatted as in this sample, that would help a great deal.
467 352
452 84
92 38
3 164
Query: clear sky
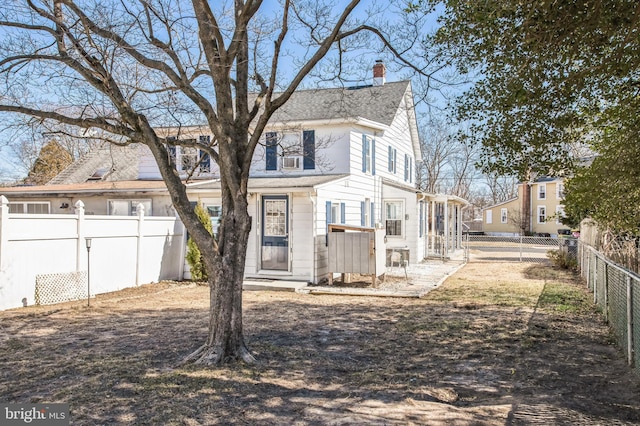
9 169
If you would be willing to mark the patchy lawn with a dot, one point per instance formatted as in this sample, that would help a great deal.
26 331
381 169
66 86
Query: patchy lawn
496 344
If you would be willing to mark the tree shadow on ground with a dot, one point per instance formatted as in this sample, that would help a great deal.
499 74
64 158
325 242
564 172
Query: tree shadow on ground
321 360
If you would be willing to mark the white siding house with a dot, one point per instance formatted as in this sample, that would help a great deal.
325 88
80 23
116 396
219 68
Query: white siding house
343 155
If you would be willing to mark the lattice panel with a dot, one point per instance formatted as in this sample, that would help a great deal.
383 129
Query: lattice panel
61 287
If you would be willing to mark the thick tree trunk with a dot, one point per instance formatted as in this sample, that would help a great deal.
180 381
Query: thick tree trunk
225 339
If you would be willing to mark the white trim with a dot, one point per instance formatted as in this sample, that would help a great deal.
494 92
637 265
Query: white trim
25 206
401 214
540 187
546 216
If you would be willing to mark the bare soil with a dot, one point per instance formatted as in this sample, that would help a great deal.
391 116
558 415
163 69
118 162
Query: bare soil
496 344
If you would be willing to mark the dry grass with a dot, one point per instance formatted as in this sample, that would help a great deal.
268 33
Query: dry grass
496 344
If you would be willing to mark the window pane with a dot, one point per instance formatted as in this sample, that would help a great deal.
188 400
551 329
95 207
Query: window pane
37 208
275 218
119 207
16 208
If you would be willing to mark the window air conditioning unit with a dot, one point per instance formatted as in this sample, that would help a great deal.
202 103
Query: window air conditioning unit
291 163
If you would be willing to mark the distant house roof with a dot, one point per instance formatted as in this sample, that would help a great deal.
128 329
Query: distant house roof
106 164
64 190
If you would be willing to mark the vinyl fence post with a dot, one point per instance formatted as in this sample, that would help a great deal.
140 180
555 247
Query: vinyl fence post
140 211
4 222
80 249
629 322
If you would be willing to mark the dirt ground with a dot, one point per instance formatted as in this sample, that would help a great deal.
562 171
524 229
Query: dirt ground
496 344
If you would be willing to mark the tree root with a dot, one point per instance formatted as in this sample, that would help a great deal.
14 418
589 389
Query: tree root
214 355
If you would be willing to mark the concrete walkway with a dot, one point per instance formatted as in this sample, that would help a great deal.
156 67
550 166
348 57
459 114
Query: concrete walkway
420 279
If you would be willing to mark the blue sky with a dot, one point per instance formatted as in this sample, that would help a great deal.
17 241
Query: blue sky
9 169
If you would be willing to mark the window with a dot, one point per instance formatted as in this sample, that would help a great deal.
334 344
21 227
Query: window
190 160
298 150
365 212
393 217
393 154
368 155
542 214
560 191
215 213
542 191
489 216
127 207
275 218
559 214
503 215
41 207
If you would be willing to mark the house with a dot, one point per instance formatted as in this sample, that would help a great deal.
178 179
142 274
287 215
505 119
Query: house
536 210
340 155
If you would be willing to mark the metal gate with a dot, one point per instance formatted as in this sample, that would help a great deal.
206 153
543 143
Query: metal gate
485 248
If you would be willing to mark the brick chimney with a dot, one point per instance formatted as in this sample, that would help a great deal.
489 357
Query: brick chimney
379 73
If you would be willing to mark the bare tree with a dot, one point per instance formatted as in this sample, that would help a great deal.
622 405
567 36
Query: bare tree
501 188
437 150
120 70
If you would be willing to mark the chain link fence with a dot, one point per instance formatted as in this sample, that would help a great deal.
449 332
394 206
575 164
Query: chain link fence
616 292
486 248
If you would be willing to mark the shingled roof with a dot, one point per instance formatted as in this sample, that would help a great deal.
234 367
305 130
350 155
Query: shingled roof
109 163
377 103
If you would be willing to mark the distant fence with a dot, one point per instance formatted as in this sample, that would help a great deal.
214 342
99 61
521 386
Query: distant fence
486 248
616 291
45 257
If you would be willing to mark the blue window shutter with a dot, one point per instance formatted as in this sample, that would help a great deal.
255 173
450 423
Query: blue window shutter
373 156
365 148
205 162
406 167
342 213
272 151
172 152
373 214
362 207
309 149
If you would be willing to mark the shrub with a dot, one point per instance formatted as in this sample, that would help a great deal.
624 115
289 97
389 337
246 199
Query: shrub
563 259
194 257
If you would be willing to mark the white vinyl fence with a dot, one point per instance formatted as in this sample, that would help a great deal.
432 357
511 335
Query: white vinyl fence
44 258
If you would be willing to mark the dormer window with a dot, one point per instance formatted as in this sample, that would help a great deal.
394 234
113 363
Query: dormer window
190 160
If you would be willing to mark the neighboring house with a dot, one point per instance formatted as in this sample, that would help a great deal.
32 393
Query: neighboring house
342 155
537 210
